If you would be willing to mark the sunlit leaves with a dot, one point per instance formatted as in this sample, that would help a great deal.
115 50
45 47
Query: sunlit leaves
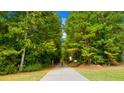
96 32
39 33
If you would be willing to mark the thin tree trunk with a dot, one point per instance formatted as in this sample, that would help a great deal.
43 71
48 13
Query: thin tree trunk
52 62
22 60
23 56
123 56
23 53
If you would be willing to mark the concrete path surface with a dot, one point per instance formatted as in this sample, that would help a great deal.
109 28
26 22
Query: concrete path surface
63 74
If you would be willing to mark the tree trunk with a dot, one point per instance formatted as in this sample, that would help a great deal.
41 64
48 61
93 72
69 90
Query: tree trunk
22 60
23 53
23 56
123 56
52 62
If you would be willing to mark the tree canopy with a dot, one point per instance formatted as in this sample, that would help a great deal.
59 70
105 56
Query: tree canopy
33 40
98 35
28 40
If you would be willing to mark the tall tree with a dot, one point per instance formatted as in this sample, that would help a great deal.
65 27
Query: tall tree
96 34
29 40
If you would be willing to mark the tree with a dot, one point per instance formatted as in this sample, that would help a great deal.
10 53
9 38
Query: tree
96 34
32 40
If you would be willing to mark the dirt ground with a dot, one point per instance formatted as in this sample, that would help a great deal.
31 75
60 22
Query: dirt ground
93 66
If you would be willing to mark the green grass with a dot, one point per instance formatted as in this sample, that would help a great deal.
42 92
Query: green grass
25 76
103 74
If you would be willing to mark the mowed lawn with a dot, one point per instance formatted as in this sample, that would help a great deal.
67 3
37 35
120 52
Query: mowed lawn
113 73
25 76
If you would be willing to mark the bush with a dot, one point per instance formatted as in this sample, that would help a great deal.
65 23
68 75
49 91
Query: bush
45 65
9 69
32 67
74 64
98 59
8 61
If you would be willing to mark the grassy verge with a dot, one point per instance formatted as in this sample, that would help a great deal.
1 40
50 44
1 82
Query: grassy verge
26 76
103 74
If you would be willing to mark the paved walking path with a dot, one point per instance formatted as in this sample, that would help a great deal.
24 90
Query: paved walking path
63 74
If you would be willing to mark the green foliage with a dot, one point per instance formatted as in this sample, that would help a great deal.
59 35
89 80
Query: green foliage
97 59
99 35
32 67
39 33
8 61
87 54
9 69
48 47
8 52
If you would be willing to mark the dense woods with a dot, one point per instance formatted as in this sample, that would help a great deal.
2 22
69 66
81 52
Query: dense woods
95 37
29 41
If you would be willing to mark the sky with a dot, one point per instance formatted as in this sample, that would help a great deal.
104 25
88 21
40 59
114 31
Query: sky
63 15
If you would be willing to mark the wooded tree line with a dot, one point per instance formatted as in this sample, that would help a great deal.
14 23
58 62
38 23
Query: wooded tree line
32 40
29 40
95 37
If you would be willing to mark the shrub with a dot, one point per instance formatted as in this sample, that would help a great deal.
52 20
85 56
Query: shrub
45 65
11 69
8 61
32 67
98 59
